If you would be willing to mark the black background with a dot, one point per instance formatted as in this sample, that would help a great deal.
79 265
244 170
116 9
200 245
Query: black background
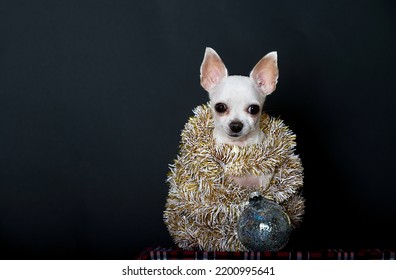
94 94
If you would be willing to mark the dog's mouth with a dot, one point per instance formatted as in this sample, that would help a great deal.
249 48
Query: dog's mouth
235 135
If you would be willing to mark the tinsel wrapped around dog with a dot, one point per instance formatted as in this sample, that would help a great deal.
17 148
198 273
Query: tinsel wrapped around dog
204 204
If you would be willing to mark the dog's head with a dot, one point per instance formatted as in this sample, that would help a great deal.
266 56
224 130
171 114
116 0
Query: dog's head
237 101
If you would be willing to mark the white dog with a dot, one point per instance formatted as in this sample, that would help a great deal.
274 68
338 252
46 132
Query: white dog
237 104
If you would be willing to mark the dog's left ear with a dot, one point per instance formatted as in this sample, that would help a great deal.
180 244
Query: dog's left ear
265 74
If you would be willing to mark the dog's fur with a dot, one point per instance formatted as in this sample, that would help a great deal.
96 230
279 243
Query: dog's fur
237 97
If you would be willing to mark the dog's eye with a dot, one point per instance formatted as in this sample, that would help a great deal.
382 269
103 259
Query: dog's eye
253 109
220 107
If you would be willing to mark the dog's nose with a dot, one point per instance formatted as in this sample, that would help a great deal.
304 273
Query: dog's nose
236 126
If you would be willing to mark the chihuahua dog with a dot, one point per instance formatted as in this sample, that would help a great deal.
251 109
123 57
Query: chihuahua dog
237 104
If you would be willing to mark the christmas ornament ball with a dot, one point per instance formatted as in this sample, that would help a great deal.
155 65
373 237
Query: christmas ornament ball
263 225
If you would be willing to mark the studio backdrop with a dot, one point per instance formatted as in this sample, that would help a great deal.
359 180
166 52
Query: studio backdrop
94 95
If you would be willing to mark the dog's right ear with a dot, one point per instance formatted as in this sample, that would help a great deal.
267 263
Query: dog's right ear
213 70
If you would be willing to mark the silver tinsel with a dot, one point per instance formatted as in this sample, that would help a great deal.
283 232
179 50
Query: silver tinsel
204 204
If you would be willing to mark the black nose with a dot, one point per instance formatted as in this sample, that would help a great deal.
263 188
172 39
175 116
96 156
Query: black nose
236 126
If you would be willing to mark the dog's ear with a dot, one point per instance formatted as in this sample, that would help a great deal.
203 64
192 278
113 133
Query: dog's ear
265 74
213 70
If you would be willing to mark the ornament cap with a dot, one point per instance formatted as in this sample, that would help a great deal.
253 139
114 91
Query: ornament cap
254 196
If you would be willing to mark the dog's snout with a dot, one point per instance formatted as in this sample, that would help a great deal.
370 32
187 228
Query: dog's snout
236 126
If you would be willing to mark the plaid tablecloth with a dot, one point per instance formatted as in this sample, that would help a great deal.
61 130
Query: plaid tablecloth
160 253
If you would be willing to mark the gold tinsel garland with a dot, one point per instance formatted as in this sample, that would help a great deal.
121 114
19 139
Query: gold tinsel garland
204 204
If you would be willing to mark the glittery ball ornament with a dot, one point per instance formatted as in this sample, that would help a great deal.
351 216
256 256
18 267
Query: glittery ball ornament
263 225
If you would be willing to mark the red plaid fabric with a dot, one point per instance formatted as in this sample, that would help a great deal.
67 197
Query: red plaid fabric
160 253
